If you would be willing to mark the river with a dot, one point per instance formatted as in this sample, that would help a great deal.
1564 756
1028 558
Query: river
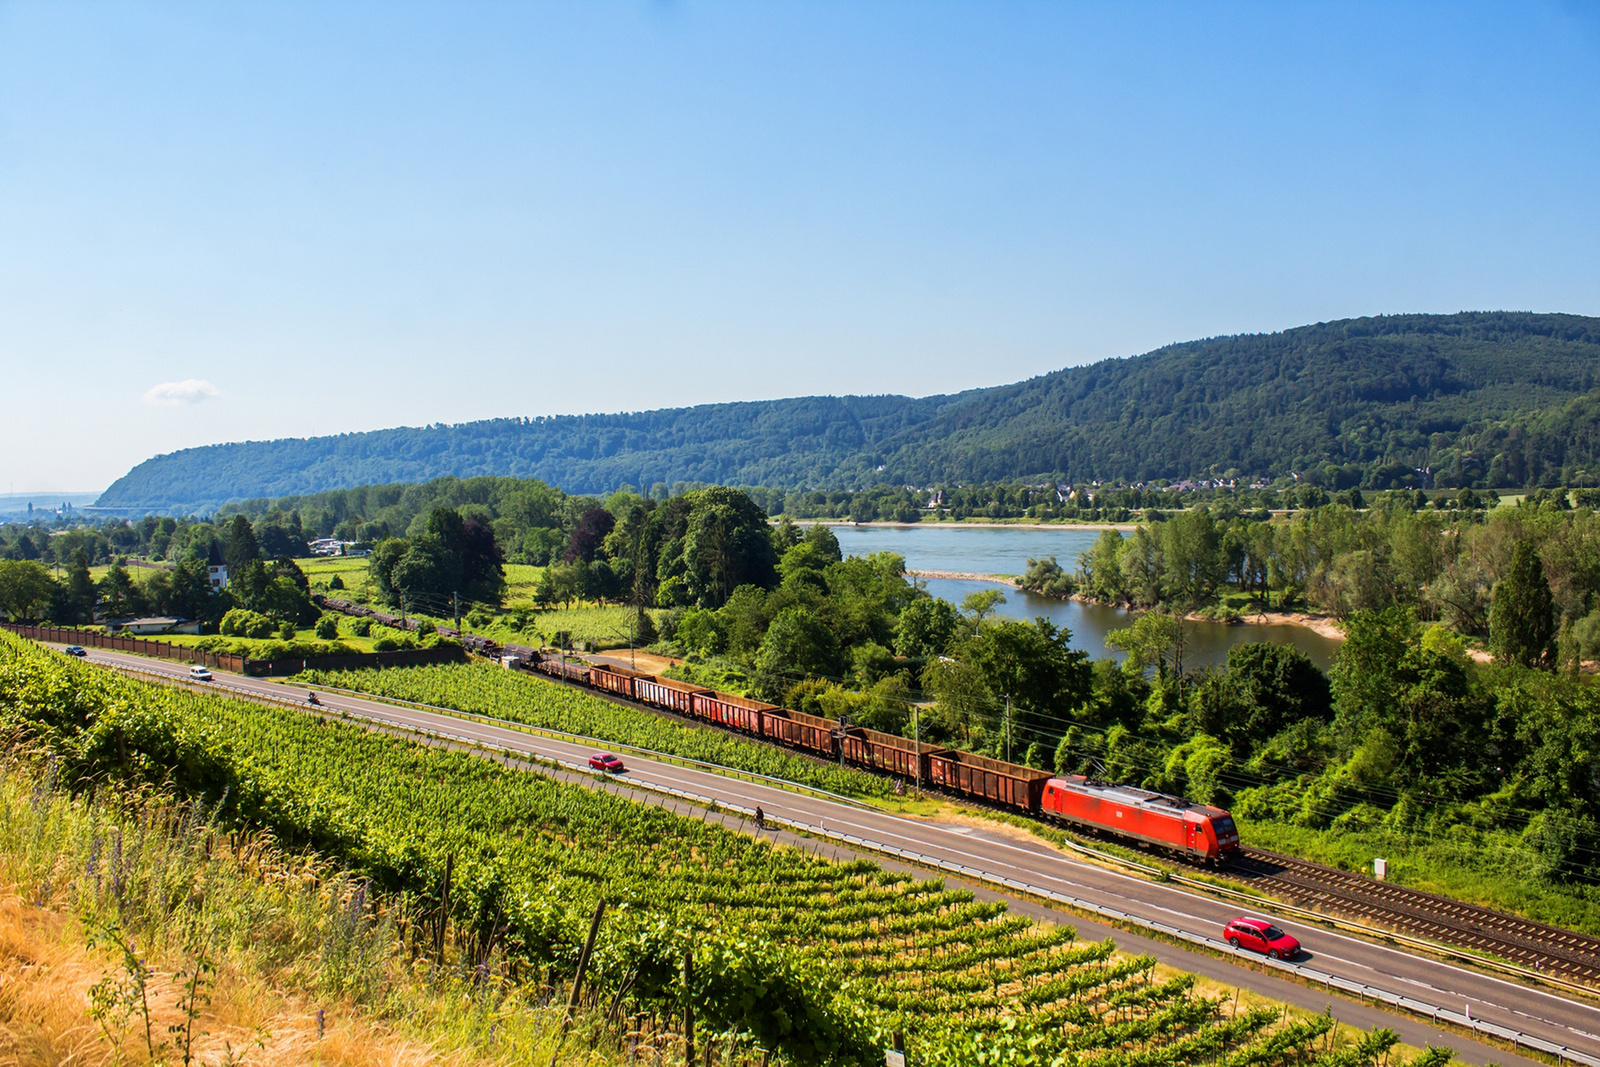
1007 549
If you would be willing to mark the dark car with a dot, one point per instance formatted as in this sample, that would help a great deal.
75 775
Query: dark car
605 761
1258 935
74 650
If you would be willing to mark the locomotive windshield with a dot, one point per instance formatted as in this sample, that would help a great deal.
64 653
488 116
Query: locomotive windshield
1224 824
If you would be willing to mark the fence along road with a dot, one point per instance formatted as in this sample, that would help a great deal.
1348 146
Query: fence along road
1366 971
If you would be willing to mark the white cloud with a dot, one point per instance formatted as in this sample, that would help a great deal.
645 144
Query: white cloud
173 394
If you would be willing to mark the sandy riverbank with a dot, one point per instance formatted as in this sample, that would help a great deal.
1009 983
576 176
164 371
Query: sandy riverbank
963 576
1321 625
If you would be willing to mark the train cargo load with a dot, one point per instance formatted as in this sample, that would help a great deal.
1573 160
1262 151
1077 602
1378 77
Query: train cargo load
886 752
736 713
801 730
666 693
1153 818
988 779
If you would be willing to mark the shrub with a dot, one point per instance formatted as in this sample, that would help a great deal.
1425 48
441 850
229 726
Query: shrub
426 628
240 622
362 628
336 582
328 627
286 631
385 644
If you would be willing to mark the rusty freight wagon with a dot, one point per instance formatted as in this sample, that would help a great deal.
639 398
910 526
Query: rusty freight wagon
736 713
666 693
616 680
886 752
574 670
810 732
988 779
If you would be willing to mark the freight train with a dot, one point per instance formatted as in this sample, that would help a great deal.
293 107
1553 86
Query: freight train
1154 819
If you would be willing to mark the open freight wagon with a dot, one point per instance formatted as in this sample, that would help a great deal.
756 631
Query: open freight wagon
886 752
993 780
736 713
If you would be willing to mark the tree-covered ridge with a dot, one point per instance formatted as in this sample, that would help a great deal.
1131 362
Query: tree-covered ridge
1449 392
1487 399
787 442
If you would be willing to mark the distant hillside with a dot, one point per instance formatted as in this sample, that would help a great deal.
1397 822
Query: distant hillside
1485 398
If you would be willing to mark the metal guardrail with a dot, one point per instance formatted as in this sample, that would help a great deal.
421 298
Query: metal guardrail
1436 1013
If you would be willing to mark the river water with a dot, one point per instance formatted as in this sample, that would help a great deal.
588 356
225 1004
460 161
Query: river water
1007 549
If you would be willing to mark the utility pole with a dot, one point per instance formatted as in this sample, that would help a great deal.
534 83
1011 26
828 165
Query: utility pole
916 730
455 599
1008 726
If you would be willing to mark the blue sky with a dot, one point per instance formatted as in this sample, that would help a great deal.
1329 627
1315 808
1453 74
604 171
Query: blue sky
229 221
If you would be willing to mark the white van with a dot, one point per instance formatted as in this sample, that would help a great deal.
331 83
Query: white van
200 674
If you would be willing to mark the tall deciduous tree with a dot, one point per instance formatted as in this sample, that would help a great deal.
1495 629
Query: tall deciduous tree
727 544
1522 621
26 590
118 593
79 595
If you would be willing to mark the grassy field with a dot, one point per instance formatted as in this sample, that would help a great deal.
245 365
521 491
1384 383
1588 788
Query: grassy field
352 571
520 622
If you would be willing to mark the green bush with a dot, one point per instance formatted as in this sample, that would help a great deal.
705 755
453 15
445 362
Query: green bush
240 622
328 627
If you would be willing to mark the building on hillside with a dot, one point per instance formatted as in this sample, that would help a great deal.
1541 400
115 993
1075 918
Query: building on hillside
332 546
159 625
217 575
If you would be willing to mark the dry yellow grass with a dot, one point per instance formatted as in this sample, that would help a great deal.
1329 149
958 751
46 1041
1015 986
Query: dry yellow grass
46 971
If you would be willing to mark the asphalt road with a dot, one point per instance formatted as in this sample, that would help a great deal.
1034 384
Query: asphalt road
1553 1016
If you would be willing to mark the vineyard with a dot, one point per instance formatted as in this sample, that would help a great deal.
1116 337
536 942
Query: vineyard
814 961
485 690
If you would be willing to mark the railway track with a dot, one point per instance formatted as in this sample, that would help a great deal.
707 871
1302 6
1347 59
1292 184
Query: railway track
1547 949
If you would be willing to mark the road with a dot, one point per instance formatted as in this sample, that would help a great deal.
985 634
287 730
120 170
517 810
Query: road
1553 1016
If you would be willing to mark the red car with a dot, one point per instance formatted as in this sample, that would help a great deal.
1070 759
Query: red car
605 761
1259 935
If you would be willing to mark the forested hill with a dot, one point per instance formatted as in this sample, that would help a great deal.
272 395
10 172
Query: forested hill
1485 398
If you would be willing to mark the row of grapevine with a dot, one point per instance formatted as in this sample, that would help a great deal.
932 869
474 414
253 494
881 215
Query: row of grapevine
487 690
814 960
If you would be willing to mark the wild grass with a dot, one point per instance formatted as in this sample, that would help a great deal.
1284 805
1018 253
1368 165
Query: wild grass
1492 868
134 929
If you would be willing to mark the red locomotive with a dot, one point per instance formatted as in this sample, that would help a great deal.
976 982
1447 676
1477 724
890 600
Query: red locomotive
1154 818
1167 822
